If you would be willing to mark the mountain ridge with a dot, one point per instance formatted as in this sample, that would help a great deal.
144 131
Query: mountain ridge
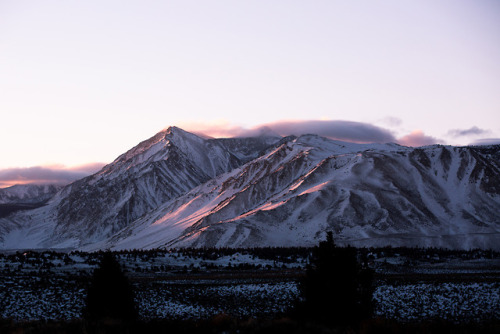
177 189
27 193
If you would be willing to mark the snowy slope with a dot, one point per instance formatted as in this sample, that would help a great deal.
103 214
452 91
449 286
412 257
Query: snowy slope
177 189
27 193
367 194
94 208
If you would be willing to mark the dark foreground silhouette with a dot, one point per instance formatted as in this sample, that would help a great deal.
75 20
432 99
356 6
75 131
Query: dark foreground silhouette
110 298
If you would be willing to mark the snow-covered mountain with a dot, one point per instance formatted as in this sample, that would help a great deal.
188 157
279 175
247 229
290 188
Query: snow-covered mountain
27 193
178 189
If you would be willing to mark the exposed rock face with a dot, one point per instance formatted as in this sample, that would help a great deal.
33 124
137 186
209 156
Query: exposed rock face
177 189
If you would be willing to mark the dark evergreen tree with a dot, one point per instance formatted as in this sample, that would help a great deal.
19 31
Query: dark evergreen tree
110 298
336 289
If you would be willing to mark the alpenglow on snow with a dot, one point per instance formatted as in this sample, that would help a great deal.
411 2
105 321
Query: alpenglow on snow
177 189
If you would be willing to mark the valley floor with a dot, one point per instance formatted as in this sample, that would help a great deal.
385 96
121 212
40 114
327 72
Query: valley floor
199 285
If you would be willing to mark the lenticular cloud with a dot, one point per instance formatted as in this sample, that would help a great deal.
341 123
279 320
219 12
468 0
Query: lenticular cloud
339 130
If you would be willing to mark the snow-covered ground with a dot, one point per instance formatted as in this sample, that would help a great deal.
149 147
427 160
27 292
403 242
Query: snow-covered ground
30 299
201 284
36 298
449 301
204 301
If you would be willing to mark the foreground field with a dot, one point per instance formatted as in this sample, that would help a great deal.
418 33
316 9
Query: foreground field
189 284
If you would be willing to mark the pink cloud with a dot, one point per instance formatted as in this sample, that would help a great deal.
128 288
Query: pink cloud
215 129
418 138
46 174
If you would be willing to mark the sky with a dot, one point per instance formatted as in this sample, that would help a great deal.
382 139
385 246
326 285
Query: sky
83 81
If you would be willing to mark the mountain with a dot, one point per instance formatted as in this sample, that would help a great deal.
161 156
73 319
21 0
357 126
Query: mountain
159 169
24 197
178 189
27 193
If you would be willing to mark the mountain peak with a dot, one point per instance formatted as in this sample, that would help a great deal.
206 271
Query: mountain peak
176 133
158 142
173 129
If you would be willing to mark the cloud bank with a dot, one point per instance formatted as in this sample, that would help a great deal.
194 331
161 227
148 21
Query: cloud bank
46 174
357 132
340 130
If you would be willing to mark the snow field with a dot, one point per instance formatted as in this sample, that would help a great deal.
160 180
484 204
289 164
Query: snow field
25 298
449 301
32 298
197 284
205 301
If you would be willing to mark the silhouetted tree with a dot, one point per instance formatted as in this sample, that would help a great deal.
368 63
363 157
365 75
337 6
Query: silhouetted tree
336 289
110 298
